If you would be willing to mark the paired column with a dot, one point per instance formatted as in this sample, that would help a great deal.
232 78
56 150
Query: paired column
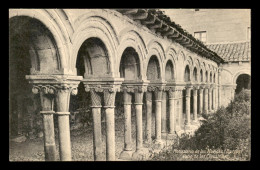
96 115
139 92
219 87
210 100
172 111
195 93
179 109
48 124
232 93
127 152
187 107
216 98
109 106
201 101
62 107
219 96
60 87
107 89
164 111
158 109
148 136
206 90
158 90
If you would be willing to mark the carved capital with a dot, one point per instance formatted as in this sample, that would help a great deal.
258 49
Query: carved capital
172 94
109 98
149 96
95 99
158 94
102 87
195 92
155 88
139 97
134 88
55 88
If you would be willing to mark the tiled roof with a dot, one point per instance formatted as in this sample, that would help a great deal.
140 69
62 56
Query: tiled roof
234 51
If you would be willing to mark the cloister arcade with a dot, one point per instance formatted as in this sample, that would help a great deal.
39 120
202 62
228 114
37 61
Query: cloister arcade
60 58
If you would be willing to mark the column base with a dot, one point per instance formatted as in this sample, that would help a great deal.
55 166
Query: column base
140 154
147 143
164 135
187 127
178 128
158 144
195 122
126 155
171 136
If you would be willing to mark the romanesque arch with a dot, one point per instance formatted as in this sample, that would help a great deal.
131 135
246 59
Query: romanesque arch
173 59
153 69
56 28
210 77
195 74
96 27
169 71
130 38
206 76
130 65
201 76
33 50
187 74
235 76
243 82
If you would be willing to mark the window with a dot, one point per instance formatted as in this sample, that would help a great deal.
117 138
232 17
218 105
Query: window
202 36
248 33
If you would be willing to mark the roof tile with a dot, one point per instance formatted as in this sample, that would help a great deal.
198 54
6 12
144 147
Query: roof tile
235 51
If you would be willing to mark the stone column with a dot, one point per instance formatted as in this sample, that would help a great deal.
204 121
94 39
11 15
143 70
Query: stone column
195 105
216 98
127 152
96 114
201 101
139 123
187 107
219 96
48 124
109 105
62 86
232 93
206 100
164 120
219 88
62 100
158 109
148 117
210 100
172 111
179 108
213 99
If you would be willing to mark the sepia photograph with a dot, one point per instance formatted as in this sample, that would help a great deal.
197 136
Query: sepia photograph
126 84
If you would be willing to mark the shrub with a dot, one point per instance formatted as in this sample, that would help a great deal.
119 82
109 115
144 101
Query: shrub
228 129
